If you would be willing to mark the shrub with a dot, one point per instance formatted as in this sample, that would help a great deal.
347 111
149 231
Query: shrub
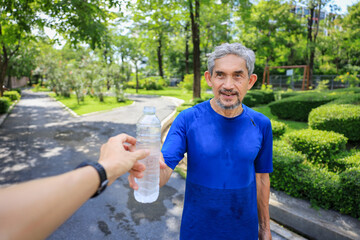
4 104
154 83
350 192
13 95
298 108
347 99
318 145
17 89
249 101
286 165
278 128
343 161
319 186
188 83
343 119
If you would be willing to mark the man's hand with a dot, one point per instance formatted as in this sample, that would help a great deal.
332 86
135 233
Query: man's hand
118 156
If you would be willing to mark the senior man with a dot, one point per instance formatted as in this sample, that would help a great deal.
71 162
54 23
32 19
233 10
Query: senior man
229 155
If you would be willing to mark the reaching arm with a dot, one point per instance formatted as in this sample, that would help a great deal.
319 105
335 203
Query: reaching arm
165 173
263 196
38 207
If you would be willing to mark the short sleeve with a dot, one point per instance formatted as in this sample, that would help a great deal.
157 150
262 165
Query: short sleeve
263 161
174 146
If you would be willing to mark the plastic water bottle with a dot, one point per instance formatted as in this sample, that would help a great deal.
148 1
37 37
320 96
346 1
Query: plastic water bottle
148 131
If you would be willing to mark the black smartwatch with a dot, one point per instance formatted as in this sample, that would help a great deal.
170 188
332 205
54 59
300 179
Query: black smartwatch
102 174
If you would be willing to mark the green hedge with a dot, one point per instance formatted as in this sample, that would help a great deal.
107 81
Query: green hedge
278 128
249 101
298 108
5 103
347 99
13 95
297 177
343 161
318 145
349 202
344 119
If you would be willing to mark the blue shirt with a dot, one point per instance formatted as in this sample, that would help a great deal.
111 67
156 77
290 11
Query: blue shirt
223 155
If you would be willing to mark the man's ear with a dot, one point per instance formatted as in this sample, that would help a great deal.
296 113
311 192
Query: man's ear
208 78
252 81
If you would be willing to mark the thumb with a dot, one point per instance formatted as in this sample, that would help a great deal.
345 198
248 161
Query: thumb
141 154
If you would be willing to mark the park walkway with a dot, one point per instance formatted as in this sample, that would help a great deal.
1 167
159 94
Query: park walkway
39 138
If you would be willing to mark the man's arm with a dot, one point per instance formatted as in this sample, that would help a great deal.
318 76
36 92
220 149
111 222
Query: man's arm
35 209
165 173
263 196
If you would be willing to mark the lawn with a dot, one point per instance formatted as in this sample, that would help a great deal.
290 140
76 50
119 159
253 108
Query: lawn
90 104
168 91
292 125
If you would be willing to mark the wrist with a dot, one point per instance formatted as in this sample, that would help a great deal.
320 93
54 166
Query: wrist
101 173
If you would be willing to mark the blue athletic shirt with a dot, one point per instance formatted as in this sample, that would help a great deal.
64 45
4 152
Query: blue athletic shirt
223 155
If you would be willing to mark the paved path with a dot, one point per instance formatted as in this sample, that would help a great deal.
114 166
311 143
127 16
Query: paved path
39 138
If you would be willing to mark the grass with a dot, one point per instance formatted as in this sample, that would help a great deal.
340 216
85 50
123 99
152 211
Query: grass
292 125
90 104
168 91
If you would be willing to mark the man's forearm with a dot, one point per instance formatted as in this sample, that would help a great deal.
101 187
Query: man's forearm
263 196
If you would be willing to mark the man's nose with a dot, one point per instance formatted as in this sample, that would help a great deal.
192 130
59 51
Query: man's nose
229 83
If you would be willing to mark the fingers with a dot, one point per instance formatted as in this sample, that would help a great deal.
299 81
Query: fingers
141 154
132 182
162 164
126 138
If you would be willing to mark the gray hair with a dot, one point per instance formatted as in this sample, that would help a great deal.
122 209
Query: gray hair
234 48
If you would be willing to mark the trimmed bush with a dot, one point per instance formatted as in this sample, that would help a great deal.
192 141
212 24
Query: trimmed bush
319 186
5 103
249 101
344 119
318 145
278 128
350 192
13 95
343 161
298 108
286 166
347 99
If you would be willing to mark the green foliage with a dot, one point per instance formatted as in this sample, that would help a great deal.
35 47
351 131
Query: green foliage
286 167
323 85
297 177
249 101
278 128
12 95
4 104
17 89
318 145
343 161
154 83
188 83
344 119
349 202
347 98
297 108
352 79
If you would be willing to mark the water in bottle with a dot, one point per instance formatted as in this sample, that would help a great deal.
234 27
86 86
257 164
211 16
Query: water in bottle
148 134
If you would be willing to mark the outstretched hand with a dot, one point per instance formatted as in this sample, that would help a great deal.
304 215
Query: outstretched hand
137 171
118 156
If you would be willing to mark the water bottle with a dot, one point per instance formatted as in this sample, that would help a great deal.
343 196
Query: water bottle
148 134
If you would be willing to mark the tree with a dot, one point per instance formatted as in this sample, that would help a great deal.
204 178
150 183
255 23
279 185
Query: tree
195 29
76 20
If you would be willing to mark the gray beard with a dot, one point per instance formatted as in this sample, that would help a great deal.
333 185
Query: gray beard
222 106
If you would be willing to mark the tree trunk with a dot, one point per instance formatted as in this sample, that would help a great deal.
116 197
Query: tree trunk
161 73
137 77
187 54
195 18
311 44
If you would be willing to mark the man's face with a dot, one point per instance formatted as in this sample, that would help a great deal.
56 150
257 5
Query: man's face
230 81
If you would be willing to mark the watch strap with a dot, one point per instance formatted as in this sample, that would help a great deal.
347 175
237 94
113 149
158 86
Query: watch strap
102 174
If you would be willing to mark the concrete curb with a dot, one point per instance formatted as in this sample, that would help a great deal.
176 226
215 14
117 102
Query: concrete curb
5 115
298 215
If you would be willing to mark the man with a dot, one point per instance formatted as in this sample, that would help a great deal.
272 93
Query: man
229 155
33 210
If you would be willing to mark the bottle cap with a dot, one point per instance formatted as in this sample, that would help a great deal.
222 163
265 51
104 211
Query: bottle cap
149 110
